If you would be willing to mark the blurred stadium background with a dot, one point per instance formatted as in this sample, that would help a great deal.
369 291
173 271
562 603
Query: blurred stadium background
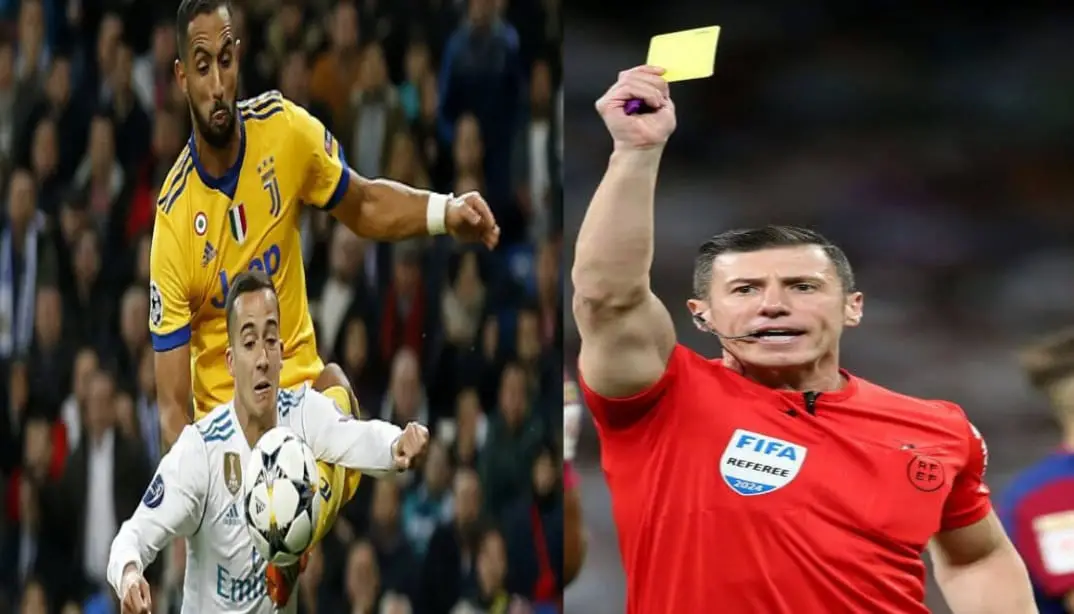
467 341
931 141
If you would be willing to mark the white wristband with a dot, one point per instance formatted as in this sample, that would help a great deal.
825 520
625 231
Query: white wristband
436 213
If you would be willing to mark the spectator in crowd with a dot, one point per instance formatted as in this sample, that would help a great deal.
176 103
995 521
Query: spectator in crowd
89 302
9 103
452 549
96 123
133 335
132 128
489 593
535 157
49 360
395 557
44 164
352 347
514 440
533 529
25 260
338 70
86 364
69 113
374 116
152 72
429 504
104 480
482 74
471 428
343 287
34 52
363 579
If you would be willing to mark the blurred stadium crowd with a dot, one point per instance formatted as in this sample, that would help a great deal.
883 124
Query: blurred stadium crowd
442 94
932 142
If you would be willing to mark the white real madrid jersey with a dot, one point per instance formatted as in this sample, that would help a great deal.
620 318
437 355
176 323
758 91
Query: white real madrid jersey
197 494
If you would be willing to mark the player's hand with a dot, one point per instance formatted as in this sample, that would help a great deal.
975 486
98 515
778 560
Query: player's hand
410 445
642 130
136 599
469 219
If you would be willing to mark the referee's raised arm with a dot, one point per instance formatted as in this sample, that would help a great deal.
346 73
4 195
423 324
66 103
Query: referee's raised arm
627 333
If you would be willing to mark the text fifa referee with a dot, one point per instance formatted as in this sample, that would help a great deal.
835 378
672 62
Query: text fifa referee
770 481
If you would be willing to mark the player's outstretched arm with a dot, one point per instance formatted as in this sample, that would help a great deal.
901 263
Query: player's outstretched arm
387 210
171 507
340 439
627 334
382 209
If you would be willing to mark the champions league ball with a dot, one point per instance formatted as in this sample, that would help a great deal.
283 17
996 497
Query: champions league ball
280 496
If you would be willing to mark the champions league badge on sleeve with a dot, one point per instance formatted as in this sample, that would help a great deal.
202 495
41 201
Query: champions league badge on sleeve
756 464
154 495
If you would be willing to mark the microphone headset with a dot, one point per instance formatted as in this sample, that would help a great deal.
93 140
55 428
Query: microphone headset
705 327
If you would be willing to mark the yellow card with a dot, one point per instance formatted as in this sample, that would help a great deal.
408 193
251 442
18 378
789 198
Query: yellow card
690 54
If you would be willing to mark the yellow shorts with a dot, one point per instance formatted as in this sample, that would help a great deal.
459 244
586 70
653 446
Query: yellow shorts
337 484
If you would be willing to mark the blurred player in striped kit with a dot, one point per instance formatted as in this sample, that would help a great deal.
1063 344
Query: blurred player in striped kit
1038 506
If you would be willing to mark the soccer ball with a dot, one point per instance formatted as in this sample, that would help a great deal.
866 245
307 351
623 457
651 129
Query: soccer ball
280 496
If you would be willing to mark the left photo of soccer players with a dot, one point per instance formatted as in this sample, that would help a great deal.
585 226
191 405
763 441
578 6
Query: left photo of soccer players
280 307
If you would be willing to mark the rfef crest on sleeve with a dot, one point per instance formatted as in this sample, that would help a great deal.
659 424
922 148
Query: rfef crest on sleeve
154 495
232 472
757 464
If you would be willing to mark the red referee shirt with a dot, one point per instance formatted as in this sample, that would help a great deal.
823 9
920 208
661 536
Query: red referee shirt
734 498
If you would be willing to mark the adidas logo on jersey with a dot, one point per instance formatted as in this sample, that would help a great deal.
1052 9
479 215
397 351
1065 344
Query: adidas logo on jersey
232 517
207 254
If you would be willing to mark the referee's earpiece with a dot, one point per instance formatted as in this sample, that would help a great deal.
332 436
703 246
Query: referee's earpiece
701 324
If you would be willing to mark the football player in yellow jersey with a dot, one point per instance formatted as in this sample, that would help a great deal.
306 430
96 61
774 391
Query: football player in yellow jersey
232 203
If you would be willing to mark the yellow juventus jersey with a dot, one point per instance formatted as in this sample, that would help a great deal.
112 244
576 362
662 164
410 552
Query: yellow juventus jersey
209 229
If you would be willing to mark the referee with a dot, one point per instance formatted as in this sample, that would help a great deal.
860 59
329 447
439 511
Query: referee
770 481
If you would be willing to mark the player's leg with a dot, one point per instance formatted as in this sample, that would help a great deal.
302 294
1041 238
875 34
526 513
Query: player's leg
334 384
336 486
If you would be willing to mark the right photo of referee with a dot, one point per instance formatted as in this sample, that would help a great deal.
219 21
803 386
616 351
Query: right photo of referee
800 296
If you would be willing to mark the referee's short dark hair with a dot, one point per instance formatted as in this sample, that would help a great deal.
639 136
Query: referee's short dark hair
758 239
246 283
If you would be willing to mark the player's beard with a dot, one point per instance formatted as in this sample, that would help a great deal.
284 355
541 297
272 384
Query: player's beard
217 137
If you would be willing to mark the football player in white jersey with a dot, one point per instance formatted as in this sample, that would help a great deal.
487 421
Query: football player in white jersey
197 490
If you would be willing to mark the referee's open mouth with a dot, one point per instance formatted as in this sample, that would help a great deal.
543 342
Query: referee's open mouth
776 334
